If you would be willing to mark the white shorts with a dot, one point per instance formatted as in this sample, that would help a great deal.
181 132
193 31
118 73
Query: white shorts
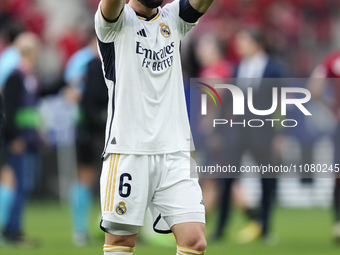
129 184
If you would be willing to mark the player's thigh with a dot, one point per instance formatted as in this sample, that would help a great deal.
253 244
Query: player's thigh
179 193
124 189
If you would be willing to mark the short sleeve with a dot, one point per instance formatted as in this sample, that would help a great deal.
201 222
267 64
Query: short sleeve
107 31
183 26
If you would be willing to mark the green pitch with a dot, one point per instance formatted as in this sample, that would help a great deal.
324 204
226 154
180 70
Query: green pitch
299 232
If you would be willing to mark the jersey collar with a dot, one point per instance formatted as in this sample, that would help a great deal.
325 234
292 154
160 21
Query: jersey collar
152 18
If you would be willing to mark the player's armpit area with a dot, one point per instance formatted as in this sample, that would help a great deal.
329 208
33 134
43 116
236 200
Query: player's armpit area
109 20
187 12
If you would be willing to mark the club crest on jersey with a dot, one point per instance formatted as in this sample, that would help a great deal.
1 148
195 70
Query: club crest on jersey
121 208
165 30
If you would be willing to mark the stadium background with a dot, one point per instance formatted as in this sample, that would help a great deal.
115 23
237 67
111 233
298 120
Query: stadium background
299 33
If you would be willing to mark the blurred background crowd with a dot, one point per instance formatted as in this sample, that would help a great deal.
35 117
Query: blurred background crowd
55 105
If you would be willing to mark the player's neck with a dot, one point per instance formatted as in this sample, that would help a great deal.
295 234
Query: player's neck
140 8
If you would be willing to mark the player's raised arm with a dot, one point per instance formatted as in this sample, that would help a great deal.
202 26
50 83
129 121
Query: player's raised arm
201 6
111 9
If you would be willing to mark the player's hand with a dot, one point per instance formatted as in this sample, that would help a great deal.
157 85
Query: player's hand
111 9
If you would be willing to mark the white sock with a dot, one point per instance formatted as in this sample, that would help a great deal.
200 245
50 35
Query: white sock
118 250
186 251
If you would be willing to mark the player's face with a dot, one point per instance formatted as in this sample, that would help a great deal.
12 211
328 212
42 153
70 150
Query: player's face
151 3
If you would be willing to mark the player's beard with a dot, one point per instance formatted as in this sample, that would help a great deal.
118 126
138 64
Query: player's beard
151 3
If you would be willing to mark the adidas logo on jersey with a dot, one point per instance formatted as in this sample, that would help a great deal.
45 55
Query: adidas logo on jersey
114 141
142 33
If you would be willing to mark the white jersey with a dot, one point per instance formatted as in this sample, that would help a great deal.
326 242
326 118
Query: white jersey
147 111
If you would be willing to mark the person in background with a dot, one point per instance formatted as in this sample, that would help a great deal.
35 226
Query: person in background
90 143
209 52
22 93
255 65
210 55
85 81
9 60
21 98
329 68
